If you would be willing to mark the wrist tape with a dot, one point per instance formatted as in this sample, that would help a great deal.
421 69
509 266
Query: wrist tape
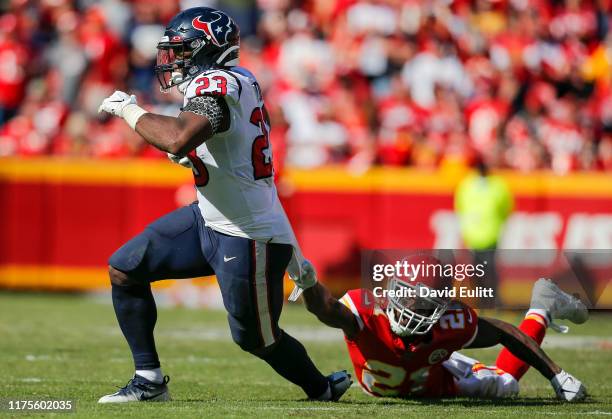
132 113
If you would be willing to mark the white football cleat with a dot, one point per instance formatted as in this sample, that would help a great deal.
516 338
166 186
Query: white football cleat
546 295
568 387
139 389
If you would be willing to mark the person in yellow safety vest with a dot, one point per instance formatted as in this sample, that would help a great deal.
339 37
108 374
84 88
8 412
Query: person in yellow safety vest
483 203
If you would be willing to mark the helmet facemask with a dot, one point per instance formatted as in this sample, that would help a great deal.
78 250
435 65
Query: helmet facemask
195 40
410 313
176 61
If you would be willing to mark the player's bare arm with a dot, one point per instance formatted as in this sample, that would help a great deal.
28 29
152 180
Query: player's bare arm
323 304
175 135
493 331
200 120
329 310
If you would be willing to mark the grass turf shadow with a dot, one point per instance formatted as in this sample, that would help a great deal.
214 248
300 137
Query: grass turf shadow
470 402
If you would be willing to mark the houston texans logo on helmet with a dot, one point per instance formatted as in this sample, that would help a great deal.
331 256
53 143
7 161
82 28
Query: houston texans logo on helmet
217 30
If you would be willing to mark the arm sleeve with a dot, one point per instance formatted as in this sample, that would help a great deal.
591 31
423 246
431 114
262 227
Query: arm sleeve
212 107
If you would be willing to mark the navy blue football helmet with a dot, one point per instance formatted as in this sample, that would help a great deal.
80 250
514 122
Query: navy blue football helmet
195 40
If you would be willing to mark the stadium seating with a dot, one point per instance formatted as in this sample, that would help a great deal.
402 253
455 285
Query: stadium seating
359 83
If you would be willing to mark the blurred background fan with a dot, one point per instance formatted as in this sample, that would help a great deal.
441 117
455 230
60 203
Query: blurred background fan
378 108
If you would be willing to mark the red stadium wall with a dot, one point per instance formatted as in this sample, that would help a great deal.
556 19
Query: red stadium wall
391 208
61 219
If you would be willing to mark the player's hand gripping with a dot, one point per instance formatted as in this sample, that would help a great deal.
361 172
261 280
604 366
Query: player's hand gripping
115 104
124 106
307 279
567 387
183 161
309 276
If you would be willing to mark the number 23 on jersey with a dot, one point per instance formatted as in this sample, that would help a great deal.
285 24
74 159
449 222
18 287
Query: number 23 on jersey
261 154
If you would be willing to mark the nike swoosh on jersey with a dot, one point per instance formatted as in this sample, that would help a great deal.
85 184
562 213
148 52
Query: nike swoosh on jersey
226 259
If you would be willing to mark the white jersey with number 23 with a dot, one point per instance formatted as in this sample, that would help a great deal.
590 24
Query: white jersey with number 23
233 170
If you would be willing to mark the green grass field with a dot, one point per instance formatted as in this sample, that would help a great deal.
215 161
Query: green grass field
68 347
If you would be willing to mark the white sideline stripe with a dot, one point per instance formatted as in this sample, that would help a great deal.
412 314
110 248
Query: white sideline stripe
323 335
261 289
327 334
587 342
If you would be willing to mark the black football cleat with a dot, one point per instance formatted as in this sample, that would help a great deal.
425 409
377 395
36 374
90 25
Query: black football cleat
139 389
339 383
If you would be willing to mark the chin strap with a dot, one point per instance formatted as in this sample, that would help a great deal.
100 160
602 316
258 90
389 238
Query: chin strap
176 79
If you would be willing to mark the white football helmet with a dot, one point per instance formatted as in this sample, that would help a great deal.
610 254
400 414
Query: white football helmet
412 315
409 309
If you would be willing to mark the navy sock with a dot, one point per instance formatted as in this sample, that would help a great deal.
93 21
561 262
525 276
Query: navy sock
290 359
137 314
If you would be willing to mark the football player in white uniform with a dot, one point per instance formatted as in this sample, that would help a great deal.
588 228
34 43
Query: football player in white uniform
237 229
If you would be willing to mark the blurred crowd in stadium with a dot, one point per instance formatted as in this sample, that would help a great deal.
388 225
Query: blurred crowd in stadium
526 84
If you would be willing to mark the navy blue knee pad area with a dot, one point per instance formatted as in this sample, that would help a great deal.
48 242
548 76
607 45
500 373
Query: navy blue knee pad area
129 256
250 273
169 248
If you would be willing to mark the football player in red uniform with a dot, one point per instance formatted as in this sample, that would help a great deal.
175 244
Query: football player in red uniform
406 346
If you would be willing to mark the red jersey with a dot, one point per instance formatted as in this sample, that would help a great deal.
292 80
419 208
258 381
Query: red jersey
388 365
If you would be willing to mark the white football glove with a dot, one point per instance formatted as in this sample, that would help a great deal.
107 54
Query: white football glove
307 279
183 161
568 387
116 103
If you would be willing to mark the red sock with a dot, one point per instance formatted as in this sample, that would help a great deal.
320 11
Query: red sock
534 325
